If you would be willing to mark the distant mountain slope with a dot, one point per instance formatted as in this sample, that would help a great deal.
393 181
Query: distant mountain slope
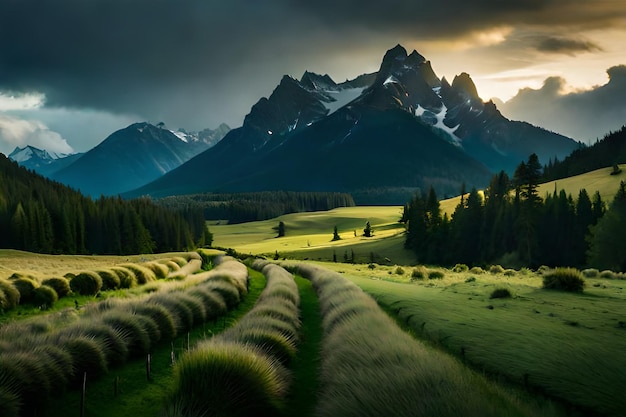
604 153
134 156
42 161
380 137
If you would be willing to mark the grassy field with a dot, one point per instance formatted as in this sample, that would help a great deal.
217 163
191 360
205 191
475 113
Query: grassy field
309 235
569 346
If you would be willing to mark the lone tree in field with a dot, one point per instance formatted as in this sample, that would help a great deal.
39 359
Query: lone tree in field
280 229
336 234
368 231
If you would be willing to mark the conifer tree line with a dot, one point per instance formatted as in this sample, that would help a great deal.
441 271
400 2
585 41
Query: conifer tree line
604 153
253 206
511 224
40 215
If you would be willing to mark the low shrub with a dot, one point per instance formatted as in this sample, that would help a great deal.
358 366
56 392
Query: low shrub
496 269
471 279
590 273
26 288
564 279
460 268
399 270
110 279
86 283
371 266
435 275
510 272
477 270
45 297
500 293
11 296
20 275
60 284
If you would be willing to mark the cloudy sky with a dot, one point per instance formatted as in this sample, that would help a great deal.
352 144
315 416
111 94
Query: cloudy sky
73 71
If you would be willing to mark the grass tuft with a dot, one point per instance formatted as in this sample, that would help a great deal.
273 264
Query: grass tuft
45 297
500 293
86 283
224 379
60 284
564 279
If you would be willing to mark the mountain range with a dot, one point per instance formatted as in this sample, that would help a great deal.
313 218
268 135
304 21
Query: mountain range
381 137
127 159
40 160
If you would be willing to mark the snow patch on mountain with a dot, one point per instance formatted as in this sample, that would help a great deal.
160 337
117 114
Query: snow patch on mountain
181 135
341 98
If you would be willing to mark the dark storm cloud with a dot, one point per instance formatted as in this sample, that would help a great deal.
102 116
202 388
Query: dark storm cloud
190 59
583 115
566 45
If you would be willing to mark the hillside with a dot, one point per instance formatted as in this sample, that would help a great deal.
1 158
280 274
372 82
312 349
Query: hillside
604 153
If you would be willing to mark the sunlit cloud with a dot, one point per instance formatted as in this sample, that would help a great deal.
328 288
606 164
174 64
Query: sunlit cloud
23 101
18 132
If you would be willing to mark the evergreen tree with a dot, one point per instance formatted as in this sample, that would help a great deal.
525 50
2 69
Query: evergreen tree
607 245
336 234
368 231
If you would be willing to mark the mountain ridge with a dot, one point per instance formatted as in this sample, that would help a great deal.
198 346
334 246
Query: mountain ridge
260 154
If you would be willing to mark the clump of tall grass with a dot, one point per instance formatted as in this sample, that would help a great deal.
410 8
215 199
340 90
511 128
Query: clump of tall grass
45 297
160 271
370 367
436 275
88 355
226 290
510 272
458 268
10 295
161 316
496 269
142 274
590 273
86 283
476 270
213 302
419 272
241 371
126 276
113 341
26 287
110 279
227 379
500 292
60 284
564 279
128 324
19 275
608 274
181 313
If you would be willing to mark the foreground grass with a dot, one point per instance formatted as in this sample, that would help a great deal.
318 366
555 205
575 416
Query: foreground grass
569 346
305 367
136 395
